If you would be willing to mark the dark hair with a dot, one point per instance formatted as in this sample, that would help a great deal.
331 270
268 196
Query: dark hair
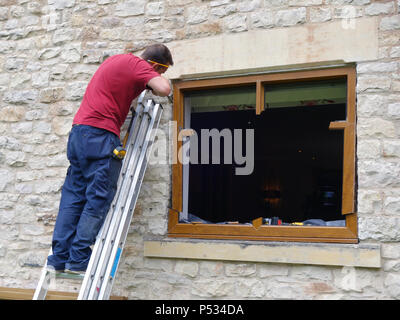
158 53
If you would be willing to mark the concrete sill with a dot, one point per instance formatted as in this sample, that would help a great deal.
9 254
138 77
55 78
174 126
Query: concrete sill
352 255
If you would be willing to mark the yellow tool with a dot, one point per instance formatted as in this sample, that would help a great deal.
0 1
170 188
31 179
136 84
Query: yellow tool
119 152
297 224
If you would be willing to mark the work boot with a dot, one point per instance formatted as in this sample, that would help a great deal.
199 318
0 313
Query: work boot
78 272
51 269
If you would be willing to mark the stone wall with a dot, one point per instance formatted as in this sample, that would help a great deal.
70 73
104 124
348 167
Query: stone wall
48 53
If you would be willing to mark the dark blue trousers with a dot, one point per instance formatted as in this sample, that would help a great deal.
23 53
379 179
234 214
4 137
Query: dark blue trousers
86 196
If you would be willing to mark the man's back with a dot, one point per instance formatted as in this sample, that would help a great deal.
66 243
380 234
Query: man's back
119 80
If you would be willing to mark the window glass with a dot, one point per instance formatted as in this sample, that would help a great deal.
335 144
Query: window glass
225 99
306 94
298 161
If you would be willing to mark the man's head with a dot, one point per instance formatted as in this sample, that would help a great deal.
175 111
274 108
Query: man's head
159 56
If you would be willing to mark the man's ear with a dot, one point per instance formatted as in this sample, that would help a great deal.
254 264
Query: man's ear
159 69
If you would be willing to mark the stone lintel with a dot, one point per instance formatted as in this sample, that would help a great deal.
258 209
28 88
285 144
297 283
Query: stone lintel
261 50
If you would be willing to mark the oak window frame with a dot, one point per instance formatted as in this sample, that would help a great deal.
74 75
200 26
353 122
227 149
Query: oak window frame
347 234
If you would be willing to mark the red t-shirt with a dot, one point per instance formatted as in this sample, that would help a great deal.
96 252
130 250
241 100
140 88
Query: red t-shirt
118 80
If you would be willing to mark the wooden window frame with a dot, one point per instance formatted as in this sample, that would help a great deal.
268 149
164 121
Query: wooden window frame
347 234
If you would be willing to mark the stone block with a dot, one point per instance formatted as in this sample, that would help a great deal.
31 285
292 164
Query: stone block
12 113
7 177
391 266
24 188
299 3
48 186
211 269
391 251
40 79
266 270
92 56
128 8
22 127
262 19
61 4
320 14
378 174
20 97
369 149
4 13
236 23
373 83
31 229
30 259
187 268
279 290
34 7
390 23
249 5
379 228
42 127
376 67
212 288
394 110
369 201
155 8
49 53
395 52
61 125
377 8
197 14
240 269
10 143
59 160
392 285
63 35
36 114
7 46
391 205
71 53
75 90
285 18
157 226
223 11
376 128
20 80
354 280
391 148
250 288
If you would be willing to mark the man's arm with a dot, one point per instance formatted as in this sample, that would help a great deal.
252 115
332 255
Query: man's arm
160 86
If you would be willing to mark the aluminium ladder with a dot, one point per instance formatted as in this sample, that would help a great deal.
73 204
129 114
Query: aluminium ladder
100 274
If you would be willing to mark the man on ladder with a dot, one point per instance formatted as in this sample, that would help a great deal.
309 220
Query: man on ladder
94 151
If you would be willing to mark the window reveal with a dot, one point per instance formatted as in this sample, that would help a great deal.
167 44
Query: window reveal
298 160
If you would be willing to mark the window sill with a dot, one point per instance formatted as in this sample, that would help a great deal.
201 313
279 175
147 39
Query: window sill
351 255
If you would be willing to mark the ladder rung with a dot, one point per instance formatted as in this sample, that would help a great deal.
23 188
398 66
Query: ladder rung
66 275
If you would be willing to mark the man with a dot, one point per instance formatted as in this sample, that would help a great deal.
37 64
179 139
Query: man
91 180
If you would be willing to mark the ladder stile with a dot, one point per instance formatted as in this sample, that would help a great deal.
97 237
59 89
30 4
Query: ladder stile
136 160
41 289
103 264
126 219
